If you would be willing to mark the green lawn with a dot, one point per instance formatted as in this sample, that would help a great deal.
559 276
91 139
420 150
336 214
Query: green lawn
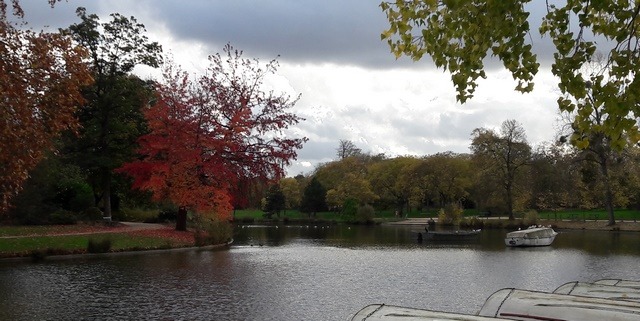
23 246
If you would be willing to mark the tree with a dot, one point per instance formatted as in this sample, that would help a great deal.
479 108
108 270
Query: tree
458 35
448 178
112 118
314 197
352 187
292 192
274 201
504 155
41 75
209 133
554 172
347 148
331 174
388 182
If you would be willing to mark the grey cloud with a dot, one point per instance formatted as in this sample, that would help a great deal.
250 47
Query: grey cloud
329 31
333 31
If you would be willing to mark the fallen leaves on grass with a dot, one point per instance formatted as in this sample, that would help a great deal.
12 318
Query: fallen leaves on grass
177 238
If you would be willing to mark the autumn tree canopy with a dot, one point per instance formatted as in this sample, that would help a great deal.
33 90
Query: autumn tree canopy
209 132
41 75
459 35
504 156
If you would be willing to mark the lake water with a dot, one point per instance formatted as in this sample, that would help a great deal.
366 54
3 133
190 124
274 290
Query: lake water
307 273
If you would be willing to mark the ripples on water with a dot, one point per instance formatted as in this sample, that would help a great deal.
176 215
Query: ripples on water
306 273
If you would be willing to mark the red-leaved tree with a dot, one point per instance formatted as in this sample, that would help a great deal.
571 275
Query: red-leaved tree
211 132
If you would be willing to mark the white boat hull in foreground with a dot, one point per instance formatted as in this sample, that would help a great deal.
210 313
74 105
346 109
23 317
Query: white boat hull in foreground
603 291
395 313
538 236
535 306
619 282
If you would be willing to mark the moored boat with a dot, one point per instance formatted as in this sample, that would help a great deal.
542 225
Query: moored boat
453 235
533 236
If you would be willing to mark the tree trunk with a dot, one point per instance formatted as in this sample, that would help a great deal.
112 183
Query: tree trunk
510 202
181 219
608 198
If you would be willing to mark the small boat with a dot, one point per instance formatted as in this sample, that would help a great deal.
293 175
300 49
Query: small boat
534 306
603 291
453 235
396 313
533 236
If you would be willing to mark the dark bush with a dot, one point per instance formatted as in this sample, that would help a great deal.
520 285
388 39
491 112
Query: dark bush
350 207
99 246
212 232
167 215
63 217
92 214
365 214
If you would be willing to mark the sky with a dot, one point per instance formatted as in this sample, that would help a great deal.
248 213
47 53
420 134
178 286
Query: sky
330 53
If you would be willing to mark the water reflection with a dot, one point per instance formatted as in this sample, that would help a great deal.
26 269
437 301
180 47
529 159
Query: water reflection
307 272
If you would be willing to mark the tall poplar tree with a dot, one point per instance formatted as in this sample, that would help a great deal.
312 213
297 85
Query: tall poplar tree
112 118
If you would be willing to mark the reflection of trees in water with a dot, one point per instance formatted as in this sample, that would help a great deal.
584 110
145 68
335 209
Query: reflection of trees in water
599 243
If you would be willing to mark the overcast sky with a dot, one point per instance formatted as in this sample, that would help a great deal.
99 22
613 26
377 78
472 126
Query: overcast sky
330 52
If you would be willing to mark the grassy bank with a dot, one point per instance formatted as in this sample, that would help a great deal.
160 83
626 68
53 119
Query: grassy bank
39 241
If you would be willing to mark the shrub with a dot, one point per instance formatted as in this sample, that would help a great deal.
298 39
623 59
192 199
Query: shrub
78 197
99 246
350 208
530 218
472 223
212 232
37 255
167 215
63 217
139 215
365 214
451 214
92 214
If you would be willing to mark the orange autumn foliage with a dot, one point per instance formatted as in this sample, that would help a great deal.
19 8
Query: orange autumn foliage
41 75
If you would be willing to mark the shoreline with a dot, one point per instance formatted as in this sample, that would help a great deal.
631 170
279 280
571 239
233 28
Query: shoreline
599 225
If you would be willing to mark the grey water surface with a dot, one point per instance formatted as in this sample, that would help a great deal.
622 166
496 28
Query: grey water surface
307 272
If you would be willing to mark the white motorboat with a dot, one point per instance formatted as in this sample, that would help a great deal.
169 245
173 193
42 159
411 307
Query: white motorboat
533 236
